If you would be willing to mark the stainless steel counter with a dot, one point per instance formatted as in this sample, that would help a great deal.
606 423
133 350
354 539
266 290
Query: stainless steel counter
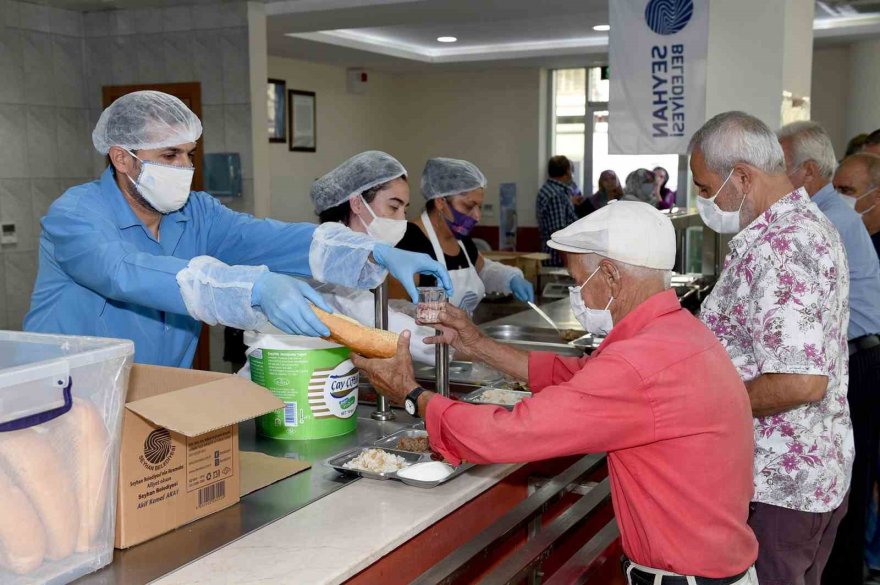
155 558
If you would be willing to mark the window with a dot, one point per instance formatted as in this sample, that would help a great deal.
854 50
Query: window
580 118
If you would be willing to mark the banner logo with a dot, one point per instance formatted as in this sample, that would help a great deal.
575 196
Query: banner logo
667 17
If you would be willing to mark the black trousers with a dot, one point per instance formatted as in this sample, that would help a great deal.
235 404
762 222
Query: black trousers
847 562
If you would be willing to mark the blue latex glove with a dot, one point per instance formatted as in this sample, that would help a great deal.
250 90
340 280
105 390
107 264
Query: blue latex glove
286 302
522 289
404 265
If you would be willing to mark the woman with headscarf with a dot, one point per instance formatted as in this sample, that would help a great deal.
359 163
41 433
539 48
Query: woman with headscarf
640 187
369 193
609 190
665 196
454 190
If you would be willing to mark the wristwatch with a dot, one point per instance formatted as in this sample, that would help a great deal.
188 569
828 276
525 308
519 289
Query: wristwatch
411 404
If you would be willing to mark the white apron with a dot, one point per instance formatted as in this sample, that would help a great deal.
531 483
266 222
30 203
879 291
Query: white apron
469 288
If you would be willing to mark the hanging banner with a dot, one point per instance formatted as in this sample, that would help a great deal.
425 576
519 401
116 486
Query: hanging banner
657 55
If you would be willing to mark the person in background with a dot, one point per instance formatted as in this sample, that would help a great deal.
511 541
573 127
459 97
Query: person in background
676 424
369 194
665 197
872 143
640 187
553 207
780 309
855 144
858 179
137 255
810 163
609 190
454 190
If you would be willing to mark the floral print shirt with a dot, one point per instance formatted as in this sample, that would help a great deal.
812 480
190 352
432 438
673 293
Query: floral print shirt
780 306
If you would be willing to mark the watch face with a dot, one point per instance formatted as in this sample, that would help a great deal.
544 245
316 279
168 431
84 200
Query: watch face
410 406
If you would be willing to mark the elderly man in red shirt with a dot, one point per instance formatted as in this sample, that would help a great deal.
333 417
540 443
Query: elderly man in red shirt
676 424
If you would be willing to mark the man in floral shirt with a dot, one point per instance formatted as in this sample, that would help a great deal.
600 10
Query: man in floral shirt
780 309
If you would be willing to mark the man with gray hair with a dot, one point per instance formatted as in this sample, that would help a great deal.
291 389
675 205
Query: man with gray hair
810 163
780 309
676 424
858 179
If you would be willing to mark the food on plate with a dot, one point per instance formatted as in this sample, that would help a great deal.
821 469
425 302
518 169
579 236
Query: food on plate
499 396
367 341
514 385
89 443
429 471
414 444
571 334
38 470
22 537
376 461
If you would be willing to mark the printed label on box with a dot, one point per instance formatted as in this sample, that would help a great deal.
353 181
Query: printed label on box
209 461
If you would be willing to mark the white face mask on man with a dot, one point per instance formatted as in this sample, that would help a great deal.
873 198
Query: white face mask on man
384 229
165 187
595 321
852 200
723 222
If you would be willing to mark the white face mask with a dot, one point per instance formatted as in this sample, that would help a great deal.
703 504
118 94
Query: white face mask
384 229
595 321
165 187
723 222
851 201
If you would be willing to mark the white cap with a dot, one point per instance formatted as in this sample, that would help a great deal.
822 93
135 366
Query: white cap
627 231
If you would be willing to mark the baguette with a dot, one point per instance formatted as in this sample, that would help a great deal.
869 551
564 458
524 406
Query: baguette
41 473
22 537
90 443
367 341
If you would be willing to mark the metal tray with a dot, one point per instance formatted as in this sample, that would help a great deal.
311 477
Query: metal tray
338 461
474 397
390 442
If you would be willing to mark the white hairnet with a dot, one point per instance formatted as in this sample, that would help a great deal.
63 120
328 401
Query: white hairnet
443 177
359 173
145 120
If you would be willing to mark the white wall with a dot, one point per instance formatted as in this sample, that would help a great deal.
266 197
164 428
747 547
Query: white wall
863 103
347 124
491 118
829 92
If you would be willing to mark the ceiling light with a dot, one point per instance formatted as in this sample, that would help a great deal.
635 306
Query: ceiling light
602 27
447 39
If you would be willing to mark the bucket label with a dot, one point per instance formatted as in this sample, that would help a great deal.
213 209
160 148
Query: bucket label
340 390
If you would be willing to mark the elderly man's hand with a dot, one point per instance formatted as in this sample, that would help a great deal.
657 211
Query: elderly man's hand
456 330
394 378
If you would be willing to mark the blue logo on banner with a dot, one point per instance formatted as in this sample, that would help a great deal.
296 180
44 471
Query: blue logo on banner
667 17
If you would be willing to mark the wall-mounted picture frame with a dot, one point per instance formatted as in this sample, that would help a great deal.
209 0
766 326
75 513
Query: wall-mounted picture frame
302 127
276 91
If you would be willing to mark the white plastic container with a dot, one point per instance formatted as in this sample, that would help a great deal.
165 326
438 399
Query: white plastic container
61 401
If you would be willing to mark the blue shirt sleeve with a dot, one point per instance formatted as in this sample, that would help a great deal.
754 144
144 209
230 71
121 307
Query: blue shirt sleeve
89 250
240 238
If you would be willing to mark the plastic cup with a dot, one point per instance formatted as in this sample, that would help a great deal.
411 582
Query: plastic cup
431 302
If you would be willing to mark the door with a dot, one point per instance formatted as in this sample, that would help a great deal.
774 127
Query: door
191 95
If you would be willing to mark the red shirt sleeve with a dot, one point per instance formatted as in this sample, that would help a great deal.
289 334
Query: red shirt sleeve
602 406
548 368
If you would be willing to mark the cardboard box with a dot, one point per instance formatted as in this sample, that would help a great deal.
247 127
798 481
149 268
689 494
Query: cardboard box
528 262
179 459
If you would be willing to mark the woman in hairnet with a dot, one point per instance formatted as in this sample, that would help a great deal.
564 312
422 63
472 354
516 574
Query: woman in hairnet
369 193
455 190
137 255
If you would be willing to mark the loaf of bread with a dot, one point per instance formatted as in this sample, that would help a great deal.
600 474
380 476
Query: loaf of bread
367 341
37 469
22 537
89 443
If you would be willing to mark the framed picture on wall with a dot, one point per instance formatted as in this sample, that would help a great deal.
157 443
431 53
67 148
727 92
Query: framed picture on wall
303 124
276 89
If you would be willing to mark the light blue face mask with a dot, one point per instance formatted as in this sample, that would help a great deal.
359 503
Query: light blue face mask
596 321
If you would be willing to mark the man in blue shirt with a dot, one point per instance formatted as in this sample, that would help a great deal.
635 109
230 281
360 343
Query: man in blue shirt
810 163
858 177
137 255
554 208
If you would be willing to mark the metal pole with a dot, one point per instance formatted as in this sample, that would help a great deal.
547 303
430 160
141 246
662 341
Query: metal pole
383 409
441 367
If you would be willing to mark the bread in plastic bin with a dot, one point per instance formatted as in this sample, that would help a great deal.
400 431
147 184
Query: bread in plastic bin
22 536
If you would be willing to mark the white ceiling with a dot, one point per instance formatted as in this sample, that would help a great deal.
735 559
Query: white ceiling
400 35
